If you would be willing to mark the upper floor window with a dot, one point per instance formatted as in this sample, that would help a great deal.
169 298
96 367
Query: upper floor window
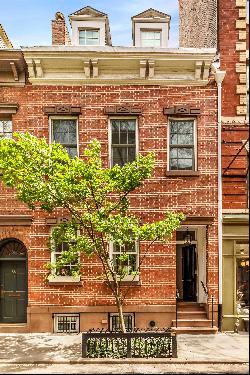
150 38
5 128
182 147
128 264
89 37
64 131
123 141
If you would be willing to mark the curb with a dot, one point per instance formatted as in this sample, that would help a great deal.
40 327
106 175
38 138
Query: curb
124 361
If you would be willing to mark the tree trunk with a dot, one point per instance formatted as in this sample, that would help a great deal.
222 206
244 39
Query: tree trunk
121 317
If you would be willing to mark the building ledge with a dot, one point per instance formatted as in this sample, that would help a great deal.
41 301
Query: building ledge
23 220
182 174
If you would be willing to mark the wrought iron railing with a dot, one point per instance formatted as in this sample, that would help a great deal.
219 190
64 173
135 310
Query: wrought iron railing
206 292
137 344
176 309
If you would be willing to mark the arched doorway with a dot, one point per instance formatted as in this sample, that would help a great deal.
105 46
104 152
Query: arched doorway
13 281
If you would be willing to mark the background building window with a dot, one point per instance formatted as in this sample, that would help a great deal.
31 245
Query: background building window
123 141
5 128
89 37
151 38
182 145
129 321
242 287
64 131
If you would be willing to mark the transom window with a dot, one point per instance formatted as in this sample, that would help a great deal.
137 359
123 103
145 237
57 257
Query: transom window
151 38
130 263
64 131
182 145
5 128
129 320
123 141
89 37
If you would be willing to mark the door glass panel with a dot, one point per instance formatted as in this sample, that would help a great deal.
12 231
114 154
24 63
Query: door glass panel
242 287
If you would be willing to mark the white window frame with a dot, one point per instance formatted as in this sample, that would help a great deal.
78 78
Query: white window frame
85 29
53 278
51 118
137 252
195 169
151 31
110 134
2 134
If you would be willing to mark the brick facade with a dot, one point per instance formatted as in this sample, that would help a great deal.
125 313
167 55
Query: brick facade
195 196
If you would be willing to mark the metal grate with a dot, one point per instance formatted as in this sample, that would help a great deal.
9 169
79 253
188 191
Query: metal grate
66 323
115 322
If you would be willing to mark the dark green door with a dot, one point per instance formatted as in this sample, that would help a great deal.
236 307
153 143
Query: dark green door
13 291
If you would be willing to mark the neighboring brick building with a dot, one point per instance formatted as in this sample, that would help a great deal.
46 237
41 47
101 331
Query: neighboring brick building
164 94
232 47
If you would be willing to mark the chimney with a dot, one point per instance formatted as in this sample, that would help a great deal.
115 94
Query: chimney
60 34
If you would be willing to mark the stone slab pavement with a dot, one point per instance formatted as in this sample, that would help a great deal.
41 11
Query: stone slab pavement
55 348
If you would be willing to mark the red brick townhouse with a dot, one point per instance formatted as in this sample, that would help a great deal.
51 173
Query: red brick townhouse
225 25
134 100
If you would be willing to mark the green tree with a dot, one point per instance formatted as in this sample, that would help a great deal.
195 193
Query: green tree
96 199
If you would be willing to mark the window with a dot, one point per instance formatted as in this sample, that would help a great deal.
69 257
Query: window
123 141
89 37
182 145
5 128
242 285
64 131
129 320
66 323
150 38
64 269
130 263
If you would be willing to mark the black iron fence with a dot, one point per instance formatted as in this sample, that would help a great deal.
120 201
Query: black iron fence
136 344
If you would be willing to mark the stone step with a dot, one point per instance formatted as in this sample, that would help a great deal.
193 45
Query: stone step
193 323
13 328
195 330
190 306
192 315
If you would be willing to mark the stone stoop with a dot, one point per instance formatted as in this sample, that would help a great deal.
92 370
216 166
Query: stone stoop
192 319
14 328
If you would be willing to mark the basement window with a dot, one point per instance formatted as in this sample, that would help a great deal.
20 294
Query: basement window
66 323
114 323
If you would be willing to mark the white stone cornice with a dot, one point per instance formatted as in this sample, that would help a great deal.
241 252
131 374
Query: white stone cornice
121 65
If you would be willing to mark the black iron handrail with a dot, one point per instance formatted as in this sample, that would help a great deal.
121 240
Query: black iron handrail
206 292
176 309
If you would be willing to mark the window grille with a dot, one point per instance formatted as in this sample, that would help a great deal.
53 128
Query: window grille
182 145
66 323
123 141
5 128
64 131
129 320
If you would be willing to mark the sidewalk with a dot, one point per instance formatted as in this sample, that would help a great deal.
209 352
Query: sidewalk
50 348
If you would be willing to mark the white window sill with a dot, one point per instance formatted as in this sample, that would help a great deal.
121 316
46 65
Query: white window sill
54 279
128 279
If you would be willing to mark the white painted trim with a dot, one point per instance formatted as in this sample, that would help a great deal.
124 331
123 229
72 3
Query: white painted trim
63 117
195 141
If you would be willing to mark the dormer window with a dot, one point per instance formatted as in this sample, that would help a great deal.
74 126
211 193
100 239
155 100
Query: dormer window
89 37
151 38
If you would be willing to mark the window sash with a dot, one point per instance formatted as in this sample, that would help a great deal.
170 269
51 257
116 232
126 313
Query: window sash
151 38
182 145
123 134
65 131
5 128
132 262
89 37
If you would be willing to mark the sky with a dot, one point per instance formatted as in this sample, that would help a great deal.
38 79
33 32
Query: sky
28 22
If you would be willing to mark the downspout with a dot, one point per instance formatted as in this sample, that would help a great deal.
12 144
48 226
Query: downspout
219 77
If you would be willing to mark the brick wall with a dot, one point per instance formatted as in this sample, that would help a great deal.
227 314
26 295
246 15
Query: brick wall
198 23
195 196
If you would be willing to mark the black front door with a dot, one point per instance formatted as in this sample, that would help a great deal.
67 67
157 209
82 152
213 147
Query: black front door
189 273
13 291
